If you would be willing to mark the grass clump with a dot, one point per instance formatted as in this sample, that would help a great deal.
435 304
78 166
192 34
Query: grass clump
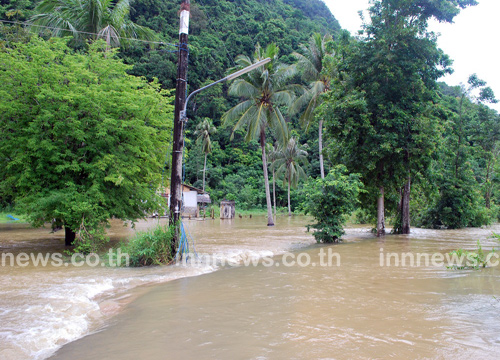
469 260
152 247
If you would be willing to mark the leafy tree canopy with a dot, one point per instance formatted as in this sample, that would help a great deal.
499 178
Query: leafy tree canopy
80 140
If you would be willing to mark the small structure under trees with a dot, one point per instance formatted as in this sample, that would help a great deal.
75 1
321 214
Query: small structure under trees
227 209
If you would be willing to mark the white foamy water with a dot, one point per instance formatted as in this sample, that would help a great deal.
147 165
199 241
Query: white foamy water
358 309
43 308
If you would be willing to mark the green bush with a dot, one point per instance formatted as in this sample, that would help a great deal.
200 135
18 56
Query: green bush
330 201
458 205
469 260
152 247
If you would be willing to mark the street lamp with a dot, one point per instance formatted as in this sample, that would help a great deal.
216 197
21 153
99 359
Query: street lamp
227 78
178 144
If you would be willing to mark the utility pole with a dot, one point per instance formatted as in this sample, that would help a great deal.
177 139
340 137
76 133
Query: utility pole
178 140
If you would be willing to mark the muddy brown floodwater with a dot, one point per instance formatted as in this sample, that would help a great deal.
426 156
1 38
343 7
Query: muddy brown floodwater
292 304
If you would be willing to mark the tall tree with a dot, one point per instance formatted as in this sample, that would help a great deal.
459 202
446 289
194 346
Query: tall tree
312 62
81 141
380 113
203 131
288 162
89 19
464 166
264 90
485 129
272 152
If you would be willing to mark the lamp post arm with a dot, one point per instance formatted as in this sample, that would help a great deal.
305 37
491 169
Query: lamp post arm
183 112
229 77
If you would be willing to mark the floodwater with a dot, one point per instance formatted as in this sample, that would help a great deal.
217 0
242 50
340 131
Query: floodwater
356 306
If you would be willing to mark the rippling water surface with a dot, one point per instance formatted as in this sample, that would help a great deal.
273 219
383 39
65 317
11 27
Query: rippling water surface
356 310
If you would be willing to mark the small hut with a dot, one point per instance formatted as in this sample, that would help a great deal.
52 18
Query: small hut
192 199
227 209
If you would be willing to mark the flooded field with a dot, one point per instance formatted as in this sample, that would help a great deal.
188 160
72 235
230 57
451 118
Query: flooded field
291 305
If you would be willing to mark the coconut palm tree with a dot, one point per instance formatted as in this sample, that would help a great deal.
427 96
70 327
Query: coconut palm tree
288 162
263 91
311 62
203 131
272 152
90 19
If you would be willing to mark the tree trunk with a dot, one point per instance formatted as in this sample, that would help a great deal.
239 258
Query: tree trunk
274 194
69 236
204 171
400 202
270 221
487 194
320 143
380 213
289 208
405 208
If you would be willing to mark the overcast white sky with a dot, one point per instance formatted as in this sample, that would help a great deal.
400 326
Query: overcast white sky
471 41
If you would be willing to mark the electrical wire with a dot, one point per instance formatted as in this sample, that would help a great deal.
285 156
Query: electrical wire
85 32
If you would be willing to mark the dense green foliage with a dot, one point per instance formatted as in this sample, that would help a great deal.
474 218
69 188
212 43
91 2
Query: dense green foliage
80 140
330 201
219 32
462 179
390 123
377 97
16 10
152 247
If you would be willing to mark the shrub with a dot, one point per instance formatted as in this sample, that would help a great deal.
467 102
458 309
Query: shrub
152 247
330 201
469 260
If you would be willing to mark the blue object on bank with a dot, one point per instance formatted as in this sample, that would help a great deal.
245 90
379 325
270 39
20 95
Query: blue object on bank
12 218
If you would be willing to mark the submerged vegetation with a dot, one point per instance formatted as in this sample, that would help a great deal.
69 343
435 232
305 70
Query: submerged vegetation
330 201
469 260
151 247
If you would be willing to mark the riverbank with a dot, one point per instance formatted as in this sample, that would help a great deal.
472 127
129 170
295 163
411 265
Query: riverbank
9 218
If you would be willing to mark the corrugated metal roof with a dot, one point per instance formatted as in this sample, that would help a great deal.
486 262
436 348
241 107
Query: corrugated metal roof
204 198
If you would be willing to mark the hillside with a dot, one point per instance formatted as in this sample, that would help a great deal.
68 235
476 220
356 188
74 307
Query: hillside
220 30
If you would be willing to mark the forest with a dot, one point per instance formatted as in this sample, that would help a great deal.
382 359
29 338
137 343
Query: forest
367 109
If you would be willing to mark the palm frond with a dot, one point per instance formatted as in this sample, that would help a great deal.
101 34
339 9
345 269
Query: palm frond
284 97
309 70
120 13
108 19
278 123
242 88
246 119
236 111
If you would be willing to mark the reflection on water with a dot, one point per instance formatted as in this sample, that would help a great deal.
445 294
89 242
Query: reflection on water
356 310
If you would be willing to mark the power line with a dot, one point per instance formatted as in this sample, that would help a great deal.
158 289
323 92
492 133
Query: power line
86 33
